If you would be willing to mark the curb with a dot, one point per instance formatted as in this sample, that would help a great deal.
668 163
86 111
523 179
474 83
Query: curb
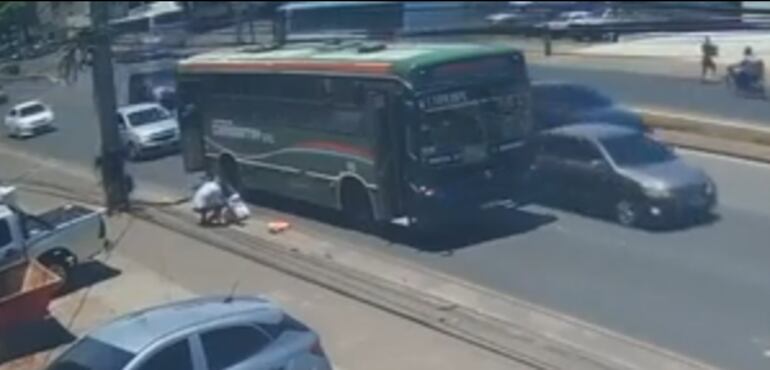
743 136
710 127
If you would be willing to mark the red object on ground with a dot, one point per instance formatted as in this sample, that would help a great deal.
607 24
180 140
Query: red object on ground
26 290
276 227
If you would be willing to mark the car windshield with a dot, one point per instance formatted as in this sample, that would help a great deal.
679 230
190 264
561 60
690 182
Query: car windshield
637 150
31 110
91 354
147 116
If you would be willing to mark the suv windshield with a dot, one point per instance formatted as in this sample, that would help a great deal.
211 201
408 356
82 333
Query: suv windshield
91 354
31 110
637 150
147 116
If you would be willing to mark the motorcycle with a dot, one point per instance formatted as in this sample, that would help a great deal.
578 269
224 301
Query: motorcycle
755 87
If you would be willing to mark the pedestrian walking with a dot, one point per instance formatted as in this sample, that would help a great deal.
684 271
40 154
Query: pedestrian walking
709 52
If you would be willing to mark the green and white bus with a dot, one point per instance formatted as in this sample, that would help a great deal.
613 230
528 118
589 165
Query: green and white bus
417 132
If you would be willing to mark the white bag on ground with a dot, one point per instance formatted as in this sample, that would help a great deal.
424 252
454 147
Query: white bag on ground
240 211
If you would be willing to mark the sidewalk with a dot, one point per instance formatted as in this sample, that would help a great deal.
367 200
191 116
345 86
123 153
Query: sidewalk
151 266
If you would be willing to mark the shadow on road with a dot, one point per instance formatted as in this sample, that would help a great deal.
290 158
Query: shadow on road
23 342
157 155
497 224
86 275
686 224
666 225
490 225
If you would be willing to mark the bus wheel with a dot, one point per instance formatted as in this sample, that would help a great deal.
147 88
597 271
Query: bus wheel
356 206
228 172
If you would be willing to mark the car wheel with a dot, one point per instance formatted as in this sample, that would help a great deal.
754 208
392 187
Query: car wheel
59 266
626 213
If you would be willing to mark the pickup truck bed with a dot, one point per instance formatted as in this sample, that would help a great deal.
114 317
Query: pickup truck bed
25 292
62 215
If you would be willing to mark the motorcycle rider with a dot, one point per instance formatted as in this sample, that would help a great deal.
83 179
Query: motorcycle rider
749 72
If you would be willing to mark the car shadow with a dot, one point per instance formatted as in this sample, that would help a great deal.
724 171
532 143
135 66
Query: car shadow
685 224
156 156
668 226
18 345
87 275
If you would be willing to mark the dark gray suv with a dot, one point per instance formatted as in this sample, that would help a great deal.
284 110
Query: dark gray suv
622 173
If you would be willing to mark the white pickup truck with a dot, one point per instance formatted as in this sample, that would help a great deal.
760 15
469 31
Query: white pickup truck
60 238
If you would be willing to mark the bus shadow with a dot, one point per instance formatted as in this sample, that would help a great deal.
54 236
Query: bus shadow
494 224
499 225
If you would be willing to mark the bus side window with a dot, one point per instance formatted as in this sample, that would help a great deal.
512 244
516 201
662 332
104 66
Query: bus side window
343 92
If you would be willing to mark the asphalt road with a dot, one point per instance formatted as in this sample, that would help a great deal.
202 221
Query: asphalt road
702 291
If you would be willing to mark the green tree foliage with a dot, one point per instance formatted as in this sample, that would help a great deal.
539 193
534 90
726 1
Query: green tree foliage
19 15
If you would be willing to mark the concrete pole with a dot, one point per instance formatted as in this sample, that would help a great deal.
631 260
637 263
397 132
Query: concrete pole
111 160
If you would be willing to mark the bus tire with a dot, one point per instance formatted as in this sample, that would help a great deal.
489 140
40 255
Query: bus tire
356 205
227 169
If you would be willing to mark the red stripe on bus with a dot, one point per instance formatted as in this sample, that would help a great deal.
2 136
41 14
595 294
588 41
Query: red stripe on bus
282 65
338 147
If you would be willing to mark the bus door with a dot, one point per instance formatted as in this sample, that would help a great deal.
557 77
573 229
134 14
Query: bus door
388 147
191 125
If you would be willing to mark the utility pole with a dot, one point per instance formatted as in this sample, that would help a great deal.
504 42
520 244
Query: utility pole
252 13
114 179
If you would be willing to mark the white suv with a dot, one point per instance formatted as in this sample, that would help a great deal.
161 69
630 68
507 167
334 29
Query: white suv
29 118
147 128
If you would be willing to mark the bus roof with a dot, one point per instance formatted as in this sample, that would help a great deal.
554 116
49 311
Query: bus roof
378 59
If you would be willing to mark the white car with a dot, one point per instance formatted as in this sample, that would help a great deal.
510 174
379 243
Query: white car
147 128
567 19
29 118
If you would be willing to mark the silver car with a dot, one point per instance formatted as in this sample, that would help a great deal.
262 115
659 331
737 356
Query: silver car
147 128
202 334
622 172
